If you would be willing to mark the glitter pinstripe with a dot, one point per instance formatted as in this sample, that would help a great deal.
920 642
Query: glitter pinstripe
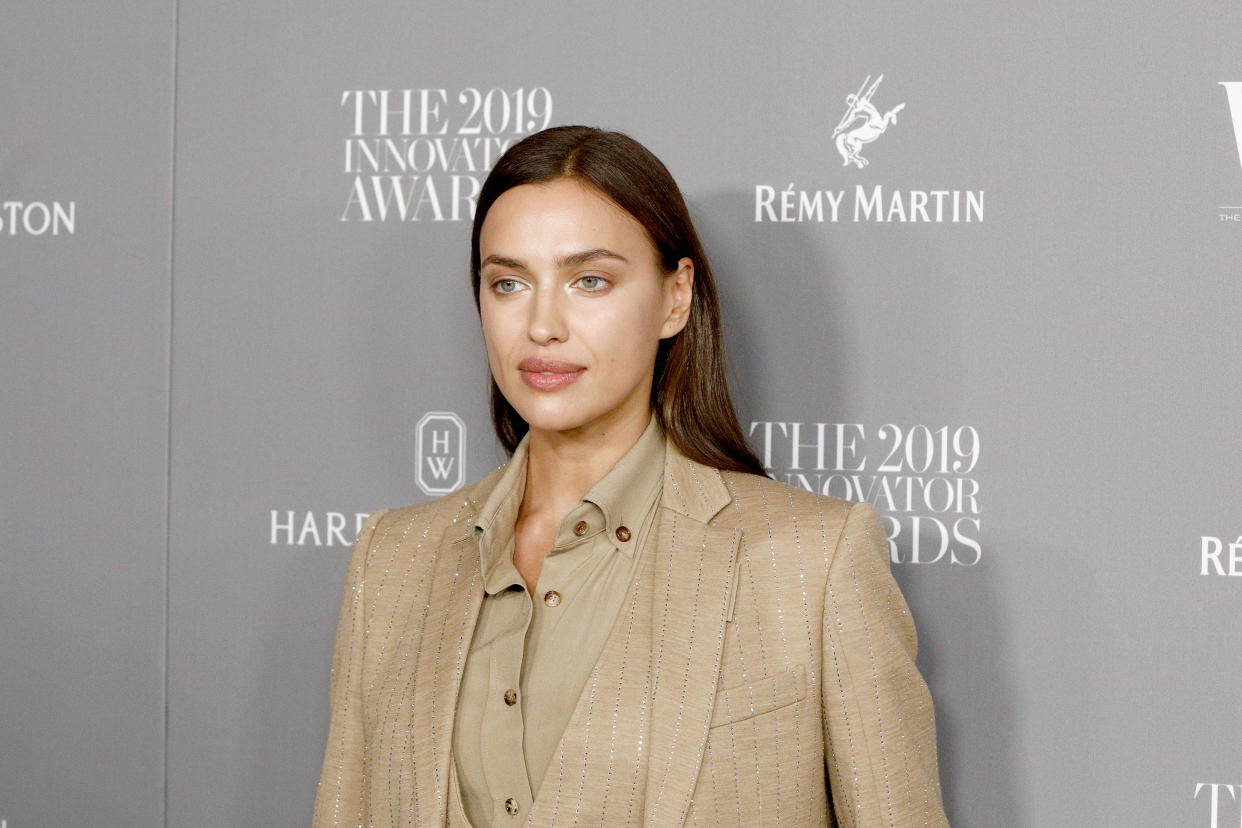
689 716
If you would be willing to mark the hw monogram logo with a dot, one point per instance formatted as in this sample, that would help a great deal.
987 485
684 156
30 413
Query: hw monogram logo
1233 89
441 452
862 123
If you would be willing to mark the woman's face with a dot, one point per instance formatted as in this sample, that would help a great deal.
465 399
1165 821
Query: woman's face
573 305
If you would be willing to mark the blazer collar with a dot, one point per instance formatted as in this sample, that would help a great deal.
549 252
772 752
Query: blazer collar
691 488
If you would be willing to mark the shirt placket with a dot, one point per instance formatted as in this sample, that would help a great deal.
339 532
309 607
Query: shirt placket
505 760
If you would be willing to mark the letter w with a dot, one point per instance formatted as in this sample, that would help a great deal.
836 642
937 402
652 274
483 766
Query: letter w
382 199
440 466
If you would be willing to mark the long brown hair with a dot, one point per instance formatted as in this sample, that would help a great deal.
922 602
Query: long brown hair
688 392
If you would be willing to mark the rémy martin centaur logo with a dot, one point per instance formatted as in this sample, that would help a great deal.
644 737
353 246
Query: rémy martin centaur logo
857 197
862 123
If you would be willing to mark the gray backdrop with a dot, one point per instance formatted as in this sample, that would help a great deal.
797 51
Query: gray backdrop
233 254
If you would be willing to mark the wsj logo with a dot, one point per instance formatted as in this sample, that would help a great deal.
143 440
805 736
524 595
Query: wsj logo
1233 90
37 218
1212 550
862 123
1232 214
441 452
1214 798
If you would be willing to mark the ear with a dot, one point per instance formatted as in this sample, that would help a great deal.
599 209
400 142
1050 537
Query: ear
678 294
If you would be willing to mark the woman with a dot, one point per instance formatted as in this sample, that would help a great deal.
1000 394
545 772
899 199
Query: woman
628 623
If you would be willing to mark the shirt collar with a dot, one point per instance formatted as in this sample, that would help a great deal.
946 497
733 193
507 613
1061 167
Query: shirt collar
620 499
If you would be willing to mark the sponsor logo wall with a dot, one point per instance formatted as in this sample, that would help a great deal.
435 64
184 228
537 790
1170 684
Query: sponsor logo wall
973 271
85 177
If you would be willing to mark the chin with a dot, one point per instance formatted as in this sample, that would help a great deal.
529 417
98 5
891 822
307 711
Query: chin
545 412
543 419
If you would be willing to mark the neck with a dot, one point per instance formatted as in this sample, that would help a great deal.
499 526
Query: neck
562 466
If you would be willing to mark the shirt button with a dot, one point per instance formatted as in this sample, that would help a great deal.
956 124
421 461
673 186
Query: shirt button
552 598
580 528
623 534
511 697
511 805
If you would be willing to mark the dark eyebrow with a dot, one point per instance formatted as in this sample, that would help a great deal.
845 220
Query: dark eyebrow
589 256
571 260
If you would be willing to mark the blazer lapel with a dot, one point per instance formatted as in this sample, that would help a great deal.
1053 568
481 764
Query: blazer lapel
656 674
453 595
595 776
694 576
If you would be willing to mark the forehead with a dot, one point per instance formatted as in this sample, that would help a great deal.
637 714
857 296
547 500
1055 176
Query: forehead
559 216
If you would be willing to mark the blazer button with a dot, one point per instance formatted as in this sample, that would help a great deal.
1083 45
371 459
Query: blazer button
511 805
552 598
623 534
580 528
511 697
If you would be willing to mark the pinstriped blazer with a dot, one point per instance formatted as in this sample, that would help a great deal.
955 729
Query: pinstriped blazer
760 672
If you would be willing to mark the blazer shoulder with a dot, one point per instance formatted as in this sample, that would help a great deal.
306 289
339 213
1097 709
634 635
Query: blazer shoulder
797 524
459 506
773 502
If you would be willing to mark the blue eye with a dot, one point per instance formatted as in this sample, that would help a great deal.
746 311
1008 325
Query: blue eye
591 283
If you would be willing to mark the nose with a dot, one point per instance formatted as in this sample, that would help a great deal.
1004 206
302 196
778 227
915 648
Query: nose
547 318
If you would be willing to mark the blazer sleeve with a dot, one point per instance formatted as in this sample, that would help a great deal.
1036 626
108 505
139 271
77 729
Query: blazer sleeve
339 801
879 726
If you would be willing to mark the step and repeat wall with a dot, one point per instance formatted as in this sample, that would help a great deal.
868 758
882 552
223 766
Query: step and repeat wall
980 265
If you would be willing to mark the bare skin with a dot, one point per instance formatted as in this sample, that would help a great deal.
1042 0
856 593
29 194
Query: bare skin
558 473
567 275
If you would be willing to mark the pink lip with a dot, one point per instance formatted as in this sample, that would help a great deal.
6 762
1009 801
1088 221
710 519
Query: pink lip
549 374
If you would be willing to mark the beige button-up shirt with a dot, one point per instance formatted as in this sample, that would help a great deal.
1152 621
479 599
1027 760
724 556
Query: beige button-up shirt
531 654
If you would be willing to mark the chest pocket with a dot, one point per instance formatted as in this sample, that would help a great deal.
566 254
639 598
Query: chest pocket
763 695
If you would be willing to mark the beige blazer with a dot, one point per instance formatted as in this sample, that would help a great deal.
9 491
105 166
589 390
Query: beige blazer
761 671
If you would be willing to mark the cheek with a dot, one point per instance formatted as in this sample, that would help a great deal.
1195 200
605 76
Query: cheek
493 340
627 338
645 320
495 327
